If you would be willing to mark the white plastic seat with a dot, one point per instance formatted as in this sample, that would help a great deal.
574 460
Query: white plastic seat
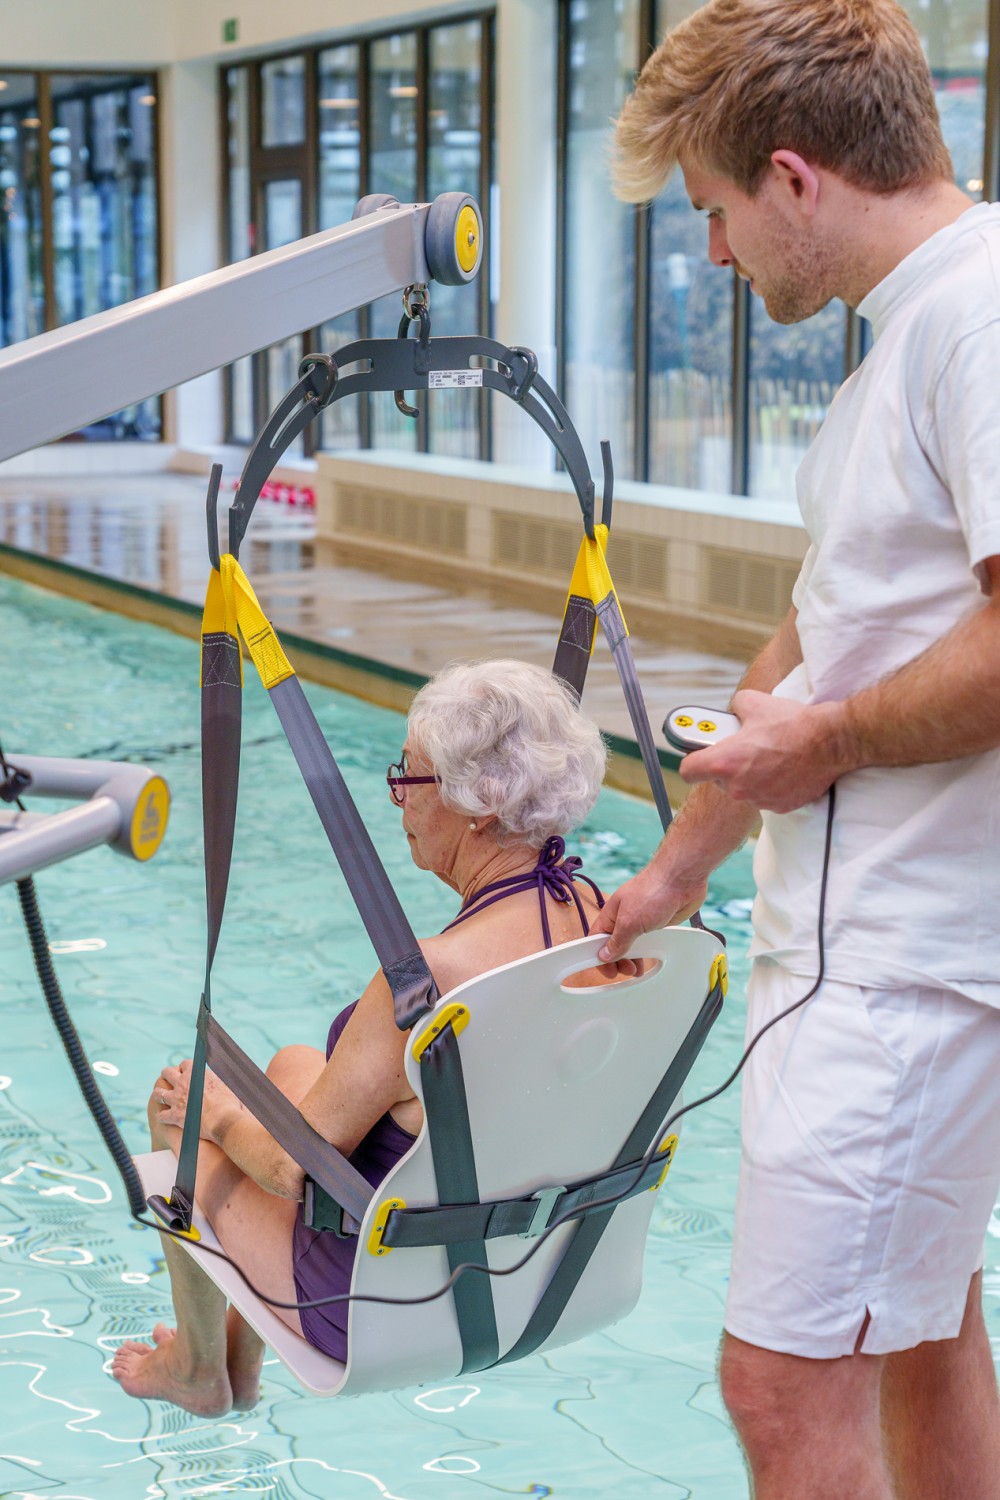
556 1078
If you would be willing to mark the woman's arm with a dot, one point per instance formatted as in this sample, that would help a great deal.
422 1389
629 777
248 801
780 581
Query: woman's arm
229 1124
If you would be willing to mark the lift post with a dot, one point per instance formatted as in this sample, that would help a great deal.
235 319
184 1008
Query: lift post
119 804
69 377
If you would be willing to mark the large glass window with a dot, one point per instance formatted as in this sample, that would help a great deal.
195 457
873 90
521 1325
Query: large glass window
655 370
794 375
955 36
339 191
78 208
283 102
690 351
104 220
392 169
454 160
408 114
599 236
240 231
22 276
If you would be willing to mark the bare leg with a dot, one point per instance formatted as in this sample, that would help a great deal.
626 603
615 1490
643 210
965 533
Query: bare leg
941 1414
293 1070
809 1427
189 1370
213 1362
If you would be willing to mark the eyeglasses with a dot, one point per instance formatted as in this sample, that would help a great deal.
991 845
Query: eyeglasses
396 778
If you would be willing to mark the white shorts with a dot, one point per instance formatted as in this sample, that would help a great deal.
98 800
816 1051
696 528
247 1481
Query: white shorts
871 1165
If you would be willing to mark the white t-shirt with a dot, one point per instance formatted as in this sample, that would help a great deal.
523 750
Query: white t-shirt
900 494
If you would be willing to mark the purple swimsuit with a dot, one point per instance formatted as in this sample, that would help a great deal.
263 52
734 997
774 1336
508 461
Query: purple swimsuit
322 1263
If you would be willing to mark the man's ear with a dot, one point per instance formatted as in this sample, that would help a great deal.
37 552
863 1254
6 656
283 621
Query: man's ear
797 181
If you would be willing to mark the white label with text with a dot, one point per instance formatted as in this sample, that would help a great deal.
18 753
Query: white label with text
440 379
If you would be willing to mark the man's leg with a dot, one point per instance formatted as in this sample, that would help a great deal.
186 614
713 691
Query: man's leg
809 1427
941 1414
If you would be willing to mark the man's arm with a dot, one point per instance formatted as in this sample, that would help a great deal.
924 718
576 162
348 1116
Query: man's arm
707 828
941 706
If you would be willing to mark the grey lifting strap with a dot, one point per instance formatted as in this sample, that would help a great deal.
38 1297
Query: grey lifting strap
404 966
412 985
447 1109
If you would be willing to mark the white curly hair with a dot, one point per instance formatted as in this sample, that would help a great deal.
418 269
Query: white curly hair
506 738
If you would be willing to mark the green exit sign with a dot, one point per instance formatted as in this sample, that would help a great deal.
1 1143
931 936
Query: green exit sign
230 30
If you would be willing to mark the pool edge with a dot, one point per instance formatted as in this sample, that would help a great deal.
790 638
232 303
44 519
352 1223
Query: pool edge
348 672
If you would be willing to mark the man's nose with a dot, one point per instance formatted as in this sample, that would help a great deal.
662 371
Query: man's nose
719 252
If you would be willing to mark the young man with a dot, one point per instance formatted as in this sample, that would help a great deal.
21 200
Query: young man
855 1361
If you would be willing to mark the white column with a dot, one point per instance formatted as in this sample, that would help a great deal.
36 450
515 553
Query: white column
523 214
191 231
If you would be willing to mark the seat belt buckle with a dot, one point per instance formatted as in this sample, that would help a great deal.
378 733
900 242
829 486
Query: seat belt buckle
544 1200
320 1211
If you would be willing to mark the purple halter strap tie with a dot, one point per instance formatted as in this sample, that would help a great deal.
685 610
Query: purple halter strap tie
553 876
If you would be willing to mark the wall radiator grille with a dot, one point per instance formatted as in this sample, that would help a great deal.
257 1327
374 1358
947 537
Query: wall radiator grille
747 584
546 548
432 525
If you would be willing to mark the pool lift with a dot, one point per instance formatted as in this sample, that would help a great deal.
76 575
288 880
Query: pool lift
530 1129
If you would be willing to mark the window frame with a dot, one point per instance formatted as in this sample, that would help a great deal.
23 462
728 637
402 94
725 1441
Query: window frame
268 160
43 91
854 341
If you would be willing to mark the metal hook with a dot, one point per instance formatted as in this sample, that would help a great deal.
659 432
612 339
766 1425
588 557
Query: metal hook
416 296
609 483
211 515
327 362
520 388
416 308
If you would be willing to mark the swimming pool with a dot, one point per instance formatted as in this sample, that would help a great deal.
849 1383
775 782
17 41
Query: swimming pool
632 1412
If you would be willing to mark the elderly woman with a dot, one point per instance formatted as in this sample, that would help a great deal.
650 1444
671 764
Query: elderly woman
499 763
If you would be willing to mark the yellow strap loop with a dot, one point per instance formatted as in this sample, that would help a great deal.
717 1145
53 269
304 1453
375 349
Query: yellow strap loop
591 578
240 605
218 618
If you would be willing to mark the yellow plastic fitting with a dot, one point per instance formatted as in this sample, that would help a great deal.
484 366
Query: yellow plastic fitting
467 238
375 1245
457 1014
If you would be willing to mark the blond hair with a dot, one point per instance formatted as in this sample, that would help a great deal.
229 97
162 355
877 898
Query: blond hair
842 82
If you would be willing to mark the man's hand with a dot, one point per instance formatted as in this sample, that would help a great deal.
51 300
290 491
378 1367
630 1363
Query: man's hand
647 901
786 754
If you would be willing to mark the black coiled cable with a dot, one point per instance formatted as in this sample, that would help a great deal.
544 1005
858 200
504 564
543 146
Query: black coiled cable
78 1061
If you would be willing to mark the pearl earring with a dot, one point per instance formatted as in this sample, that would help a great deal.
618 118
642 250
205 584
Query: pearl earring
473 824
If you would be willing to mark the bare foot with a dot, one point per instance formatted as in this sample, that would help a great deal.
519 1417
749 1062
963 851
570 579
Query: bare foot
244 1358
157 1374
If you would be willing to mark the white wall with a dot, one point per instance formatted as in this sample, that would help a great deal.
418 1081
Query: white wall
152 33
265 25
86 33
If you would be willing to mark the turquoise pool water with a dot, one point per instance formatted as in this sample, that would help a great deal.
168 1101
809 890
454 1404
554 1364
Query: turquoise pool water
632 1412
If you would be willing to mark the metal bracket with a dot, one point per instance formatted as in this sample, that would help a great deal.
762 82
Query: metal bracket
546 1197
398 365
313 390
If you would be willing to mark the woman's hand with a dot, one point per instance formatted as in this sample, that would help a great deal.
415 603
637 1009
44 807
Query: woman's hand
220 1105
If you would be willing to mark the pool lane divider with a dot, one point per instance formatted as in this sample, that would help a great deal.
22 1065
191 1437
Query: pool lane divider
348 672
